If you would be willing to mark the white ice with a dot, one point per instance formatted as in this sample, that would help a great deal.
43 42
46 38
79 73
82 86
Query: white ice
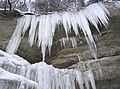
42 28
41 75
64 40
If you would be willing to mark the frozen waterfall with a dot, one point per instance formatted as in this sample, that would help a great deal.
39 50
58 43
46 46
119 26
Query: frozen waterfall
42 28
16 73
41 31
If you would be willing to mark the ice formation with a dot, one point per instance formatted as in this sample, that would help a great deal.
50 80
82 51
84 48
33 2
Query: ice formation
41 31
117 3
23 83
64 40
40 75
42 28
54 78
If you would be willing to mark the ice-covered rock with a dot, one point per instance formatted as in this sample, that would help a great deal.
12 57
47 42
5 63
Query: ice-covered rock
13 81
16 73
12 63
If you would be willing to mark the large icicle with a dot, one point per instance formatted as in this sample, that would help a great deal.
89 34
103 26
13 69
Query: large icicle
42 28
16 37
32 30
27 23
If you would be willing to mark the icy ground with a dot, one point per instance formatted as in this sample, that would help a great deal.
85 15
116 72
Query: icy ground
16 73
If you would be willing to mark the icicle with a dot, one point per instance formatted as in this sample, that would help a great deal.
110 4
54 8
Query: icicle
48 33
32 30
74 42
65 23
67 80
41 35
42 28
83 23
64 40
86 82
72 80
90 76
91 17
55 20
27 23
16 37
100 70
74 23
79 79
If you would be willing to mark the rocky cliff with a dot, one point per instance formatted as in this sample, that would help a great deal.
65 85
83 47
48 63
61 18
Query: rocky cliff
106 68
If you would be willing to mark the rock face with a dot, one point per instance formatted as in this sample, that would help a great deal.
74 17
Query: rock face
106 69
